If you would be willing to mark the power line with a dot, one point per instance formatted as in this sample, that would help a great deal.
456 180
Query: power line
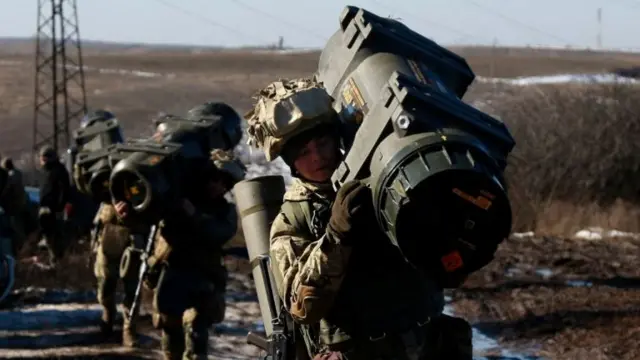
444 26
290 24
209 21
517 22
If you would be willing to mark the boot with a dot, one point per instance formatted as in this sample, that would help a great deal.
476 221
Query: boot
106 321
129 336
172 343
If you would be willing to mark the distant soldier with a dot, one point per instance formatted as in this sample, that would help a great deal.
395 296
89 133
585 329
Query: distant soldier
14 201
190 277
54 197
112 236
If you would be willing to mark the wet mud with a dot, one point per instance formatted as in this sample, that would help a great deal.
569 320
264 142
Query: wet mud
558 298
541 298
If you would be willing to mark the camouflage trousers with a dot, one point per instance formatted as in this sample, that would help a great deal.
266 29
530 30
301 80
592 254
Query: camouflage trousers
107 272
186 305
444 337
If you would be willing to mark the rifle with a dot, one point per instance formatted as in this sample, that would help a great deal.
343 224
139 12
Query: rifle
144 268
279 345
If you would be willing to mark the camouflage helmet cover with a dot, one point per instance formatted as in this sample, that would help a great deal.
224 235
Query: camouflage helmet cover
284 109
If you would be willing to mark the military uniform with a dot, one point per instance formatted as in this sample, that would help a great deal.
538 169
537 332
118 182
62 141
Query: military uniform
54 195
338 275
14 201
112 240
190 277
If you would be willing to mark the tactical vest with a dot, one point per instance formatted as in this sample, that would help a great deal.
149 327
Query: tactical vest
381 293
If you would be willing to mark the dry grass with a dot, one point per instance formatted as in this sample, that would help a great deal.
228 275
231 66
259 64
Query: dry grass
576 160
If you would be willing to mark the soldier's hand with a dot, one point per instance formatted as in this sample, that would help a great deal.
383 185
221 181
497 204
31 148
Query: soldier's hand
122 209
352 212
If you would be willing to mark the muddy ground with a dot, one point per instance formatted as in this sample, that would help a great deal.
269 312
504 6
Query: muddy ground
541 298
559 298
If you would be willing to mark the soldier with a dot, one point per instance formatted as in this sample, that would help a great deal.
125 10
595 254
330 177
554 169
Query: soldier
15 201
54 197
191 278
112 238
338 275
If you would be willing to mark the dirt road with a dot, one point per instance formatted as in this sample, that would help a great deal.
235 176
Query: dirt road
541 298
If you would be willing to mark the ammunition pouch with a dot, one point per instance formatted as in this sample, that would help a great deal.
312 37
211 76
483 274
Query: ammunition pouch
114 240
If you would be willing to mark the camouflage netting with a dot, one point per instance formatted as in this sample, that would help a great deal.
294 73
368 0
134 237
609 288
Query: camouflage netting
284 109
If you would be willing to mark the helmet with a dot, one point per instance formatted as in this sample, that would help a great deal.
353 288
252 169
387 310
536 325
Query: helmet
95 116
285 109
230 120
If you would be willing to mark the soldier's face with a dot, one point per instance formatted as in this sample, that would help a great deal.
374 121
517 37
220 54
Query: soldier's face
318 159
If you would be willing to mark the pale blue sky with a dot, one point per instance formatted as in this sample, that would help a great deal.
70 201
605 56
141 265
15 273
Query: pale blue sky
307 23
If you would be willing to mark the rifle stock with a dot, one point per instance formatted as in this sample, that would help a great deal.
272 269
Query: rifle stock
258 340
144 267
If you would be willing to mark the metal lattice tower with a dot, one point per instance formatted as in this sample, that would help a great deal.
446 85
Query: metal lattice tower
60 95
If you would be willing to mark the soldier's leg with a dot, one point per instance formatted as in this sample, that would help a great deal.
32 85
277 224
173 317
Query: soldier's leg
47 227
129 335
107 278
172 342
196 334
55 238
167 315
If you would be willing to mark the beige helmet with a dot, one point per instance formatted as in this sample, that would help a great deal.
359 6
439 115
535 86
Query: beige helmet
284 109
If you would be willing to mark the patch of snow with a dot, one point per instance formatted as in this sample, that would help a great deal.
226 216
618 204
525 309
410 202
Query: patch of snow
598 233
545 273
522 235
606 78
484 343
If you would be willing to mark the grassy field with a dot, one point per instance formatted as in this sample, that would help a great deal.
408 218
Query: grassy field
575 143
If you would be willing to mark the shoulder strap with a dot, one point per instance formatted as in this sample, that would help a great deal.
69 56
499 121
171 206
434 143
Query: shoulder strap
298 213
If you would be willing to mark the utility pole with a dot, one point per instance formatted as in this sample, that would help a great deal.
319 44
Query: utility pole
59 75
599 36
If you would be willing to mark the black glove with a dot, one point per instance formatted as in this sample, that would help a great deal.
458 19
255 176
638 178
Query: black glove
351 213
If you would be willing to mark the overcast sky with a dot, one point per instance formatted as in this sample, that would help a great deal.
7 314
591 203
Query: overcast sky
308 23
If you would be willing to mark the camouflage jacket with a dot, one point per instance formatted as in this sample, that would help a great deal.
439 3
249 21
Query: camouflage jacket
195 243
344 293
114 233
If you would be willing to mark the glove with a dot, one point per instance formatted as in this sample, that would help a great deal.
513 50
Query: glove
351 213
68 211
